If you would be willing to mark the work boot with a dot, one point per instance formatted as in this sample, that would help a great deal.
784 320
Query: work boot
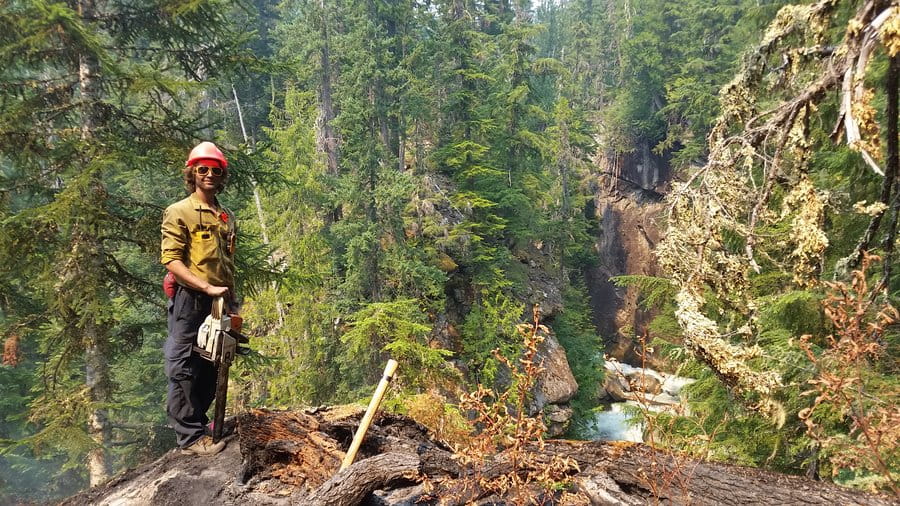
204 447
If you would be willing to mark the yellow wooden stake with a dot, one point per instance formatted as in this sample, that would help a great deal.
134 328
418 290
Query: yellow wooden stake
370 414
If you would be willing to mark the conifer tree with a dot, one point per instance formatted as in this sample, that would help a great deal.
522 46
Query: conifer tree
96 103
357 58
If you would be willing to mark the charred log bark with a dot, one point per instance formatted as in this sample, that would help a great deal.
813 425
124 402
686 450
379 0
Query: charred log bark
293 458
307 448
291 447
353 484
651 474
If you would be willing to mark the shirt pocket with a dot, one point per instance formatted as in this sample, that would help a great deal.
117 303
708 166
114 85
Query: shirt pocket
204 247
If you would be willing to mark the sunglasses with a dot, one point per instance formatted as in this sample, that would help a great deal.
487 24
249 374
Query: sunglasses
204 170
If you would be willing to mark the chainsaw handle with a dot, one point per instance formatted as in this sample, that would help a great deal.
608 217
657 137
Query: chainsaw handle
218 307
240 338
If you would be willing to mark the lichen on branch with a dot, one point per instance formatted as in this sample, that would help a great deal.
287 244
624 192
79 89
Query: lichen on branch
753 205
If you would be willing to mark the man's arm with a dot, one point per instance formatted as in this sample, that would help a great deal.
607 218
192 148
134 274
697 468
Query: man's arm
174 243
183 274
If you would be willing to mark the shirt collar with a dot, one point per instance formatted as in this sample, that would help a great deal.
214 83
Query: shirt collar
199 206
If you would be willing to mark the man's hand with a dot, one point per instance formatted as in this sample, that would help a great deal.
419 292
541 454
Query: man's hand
184 275
215 291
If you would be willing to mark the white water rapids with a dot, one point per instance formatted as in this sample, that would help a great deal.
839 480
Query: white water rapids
613 424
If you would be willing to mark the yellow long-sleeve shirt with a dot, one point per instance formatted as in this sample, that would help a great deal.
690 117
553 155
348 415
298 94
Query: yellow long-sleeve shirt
201 237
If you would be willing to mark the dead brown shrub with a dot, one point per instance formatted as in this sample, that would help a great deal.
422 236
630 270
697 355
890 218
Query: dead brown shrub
11 352
502 456
847 388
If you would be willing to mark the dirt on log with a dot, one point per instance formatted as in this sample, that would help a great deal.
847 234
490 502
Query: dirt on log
285 457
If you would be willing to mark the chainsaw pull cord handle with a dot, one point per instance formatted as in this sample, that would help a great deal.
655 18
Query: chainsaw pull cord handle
218 307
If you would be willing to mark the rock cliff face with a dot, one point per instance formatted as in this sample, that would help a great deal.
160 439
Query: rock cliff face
628 208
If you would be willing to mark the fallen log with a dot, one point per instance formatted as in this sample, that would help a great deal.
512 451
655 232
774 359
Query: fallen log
282 457
353 484
399 452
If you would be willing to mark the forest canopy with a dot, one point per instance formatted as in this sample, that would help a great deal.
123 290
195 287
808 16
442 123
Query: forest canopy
412 177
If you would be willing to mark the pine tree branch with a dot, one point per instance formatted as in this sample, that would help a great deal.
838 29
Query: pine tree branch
129 282
34 83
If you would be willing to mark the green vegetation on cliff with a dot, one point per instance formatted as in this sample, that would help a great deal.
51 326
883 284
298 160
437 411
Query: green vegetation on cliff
412 177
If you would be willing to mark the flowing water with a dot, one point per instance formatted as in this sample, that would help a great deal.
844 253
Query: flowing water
615 423
612 424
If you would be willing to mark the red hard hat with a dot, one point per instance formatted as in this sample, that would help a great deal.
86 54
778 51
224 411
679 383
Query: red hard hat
206 151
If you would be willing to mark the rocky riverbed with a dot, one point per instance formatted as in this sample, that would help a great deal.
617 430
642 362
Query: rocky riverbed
629 391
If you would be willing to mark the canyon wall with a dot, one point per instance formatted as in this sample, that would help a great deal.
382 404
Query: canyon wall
628 210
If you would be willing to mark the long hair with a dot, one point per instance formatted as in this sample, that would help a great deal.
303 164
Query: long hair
191 184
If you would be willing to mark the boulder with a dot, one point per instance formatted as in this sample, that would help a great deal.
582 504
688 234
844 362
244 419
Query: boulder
615 387
643 381
557 419
556 384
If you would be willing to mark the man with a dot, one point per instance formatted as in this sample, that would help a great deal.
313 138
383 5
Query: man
198 240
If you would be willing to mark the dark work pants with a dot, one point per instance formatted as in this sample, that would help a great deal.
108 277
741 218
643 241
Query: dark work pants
192 380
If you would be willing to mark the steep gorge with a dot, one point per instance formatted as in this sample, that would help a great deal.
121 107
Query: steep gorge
627 208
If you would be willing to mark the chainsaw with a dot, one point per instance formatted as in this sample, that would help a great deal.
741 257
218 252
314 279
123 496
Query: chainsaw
218 342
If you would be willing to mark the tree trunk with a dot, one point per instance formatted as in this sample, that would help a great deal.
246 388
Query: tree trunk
401 146
261 219
564 160
892 168
97 382
326 139
86 251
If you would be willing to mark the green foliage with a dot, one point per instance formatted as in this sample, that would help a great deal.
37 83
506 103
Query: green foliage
657 294
26 474
396 329
654 290
824 390
100 103
797 312
297 349
490 325
719 428
465 108
654 72
576 334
